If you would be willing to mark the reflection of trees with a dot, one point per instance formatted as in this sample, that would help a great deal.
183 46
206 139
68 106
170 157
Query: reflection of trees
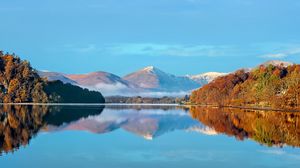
58 115
268 128
18 124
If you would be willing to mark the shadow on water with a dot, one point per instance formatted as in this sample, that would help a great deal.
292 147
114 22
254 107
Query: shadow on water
270 128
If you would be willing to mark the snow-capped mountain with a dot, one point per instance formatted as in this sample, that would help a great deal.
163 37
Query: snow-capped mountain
154 79
205 78
148 82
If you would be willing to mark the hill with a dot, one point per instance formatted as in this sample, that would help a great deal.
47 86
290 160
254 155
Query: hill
268 85
20 83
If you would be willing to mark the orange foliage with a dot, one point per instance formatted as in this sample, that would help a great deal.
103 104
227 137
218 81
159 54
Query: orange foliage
265 86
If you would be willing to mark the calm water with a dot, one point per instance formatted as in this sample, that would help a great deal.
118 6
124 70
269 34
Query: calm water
146 136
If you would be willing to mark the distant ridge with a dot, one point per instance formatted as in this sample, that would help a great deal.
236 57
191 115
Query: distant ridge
148 81
107 83
94 78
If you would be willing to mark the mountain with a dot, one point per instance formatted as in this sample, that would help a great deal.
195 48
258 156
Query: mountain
154 79
266 86
206 78
53 76
107 83
147 82
95 78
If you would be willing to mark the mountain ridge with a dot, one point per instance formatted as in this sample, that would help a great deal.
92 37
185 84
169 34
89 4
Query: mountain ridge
155 79
148 81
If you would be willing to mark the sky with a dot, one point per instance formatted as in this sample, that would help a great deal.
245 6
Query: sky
177 36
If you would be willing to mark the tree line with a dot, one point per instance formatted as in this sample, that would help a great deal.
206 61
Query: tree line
265 86
20 83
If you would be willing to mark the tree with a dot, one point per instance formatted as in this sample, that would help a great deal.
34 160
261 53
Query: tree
267 86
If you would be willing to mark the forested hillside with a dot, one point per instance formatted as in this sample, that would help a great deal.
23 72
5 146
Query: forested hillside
20 83
58 92
265 86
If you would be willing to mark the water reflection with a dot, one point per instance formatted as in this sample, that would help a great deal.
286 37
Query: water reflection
148 122
62 115
271 128
18 124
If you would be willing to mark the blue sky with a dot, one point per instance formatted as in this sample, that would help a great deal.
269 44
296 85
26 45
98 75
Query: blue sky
177 36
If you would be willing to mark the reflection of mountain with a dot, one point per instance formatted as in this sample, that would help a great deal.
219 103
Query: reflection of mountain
146 123
18 124
266 127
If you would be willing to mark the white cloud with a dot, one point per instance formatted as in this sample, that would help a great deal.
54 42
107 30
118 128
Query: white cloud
283 54
110 89
122 90
278 55
269 50
176 50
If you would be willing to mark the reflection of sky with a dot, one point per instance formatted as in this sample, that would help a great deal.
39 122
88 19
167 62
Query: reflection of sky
72 149
120 149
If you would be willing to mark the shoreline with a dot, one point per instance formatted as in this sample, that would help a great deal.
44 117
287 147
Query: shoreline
90 104
148 104
247 108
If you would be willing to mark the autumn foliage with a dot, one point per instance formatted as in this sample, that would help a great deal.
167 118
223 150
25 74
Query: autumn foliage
272 128
18 124
265 86
20 83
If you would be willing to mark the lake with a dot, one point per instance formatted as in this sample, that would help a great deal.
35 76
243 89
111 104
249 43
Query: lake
135 136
